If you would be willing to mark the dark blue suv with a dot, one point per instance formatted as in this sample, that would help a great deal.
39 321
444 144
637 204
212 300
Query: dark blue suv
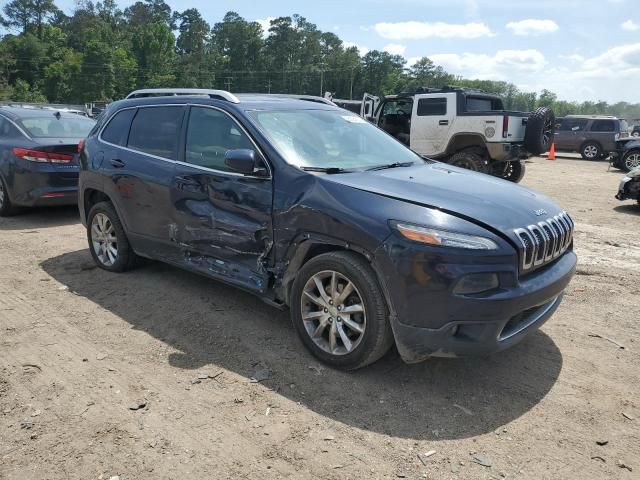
313 208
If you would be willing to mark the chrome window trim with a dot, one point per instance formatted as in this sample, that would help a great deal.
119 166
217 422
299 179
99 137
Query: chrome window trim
178 162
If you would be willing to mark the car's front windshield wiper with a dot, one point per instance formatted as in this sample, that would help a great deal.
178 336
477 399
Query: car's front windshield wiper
390 165
329 170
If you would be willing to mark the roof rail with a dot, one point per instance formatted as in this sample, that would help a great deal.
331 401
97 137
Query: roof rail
446 88
293 96
171 92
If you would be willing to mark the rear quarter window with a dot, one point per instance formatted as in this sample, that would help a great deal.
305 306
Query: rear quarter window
117 130
603 126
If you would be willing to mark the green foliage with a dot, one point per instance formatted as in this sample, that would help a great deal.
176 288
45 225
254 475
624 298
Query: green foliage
22 92
101 52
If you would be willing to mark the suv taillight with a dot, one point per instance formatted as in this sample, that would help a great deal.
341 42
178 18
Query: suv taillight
505 125
41 157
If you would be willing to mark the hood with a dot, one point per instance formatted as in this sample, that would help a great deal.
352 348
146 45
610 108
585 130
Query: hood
495 204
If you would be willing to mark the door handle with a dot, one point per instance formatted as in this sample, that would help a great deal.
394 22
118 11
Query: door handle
443 122
116 163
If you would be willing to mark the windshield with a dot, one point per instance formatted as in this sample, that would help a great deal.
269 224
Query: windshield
57 126
330 139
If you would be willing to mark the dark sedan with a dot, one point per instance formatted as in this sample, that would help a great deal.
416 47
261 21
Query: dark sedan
38 157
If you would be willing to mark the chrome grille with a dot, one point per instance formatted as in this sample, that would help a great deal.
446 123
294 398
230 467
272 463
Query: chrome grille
545 241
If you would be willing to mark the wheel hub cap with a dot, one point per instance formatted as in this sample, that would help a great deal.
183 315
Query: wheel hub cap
333 312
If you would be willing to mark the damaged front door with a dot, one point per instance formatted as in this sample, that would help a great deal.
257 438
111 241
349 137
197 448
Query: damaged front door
222 218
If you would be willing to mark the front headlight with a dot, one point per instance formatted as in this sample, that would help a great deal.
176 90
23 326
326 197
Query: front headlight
443 238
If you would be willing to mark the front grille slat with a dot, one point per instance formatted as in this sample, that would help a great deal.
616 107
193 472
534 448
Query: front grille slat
544 242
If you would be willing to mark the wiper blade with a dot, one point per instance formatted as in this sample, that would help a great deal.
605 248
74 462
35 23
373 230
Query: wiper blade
329 170
390 165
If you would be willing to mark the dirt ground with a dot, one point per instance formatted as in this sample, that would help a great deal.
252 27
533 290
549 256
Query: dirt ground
80 347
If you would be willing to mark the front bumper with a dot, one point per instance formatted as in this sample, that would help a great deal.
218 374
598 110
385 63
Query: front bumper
629 189
439 323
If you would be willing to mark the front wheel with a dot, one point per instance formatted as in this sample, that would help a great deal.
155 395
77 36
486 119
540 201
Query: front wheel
591 151
108 241
339 311
630 161
512 171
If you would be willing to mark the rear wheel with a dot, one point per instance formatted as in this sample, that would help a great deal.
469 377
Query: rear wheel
6 209
591 151
512 171
339 311
108 241
470 160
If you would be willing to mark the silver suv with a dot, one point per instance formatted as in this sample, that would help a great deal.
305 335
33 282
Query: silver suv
592 136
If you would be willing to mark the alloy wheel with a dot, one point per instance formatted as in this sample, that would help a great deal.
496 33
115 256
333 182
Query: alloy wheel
632 161
591 151
104 240
333 312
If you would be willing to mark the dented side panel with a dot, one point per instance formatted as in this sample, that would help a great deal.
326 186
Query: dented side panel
221 225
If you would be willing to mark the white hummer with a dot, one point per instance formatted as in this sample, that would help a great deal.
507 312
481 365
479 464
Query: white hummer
463 127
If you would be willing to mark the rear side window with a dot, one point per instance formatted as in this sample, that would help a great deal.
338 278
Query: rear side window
210 135
603 126
156 131
573 125
432 106
117 130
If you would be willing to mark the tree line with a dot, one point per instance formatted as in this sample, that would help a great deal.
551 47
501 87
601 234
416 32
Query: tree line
100 53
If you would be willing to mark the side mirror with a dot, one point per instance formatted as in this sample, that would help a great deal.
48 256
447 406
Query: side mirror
243 161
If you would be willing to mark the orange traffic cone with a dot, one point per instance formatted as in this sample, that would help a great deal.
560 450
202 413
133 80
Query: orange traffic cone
552 152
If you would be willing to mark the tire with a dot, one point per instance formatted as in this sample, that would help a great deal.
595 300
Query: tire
591 151
635 134
6 209
538 135
469 160
373 336
630 161
512 171
113 236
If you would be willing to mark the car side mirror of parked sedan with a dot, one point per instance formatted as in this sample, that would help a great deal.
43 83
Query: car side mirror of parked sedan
244 161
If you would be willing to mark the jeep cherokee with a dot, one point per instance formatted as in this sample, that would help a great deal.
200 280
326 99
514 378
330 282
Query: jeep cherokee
313 208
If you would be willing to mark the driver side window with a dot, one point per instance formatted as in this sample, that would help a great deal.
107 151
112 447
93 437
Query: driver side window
210 135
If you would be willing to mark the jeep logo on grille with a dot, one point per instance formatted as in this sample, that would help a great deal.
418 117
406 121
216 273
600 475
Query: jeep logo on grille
540 212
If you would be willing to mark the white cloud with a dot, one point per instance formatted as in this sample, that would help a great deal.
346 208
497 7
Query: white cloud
503 65
265 23
412 61
420 30
609 76
532 26
395 49
630 26
363 50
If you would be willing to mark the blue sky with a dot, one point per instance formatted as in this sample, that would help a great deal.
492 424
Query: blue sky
581 49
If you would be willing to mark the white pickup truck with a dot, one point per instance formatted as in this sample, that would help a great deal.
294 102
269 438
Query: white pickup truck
463 127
